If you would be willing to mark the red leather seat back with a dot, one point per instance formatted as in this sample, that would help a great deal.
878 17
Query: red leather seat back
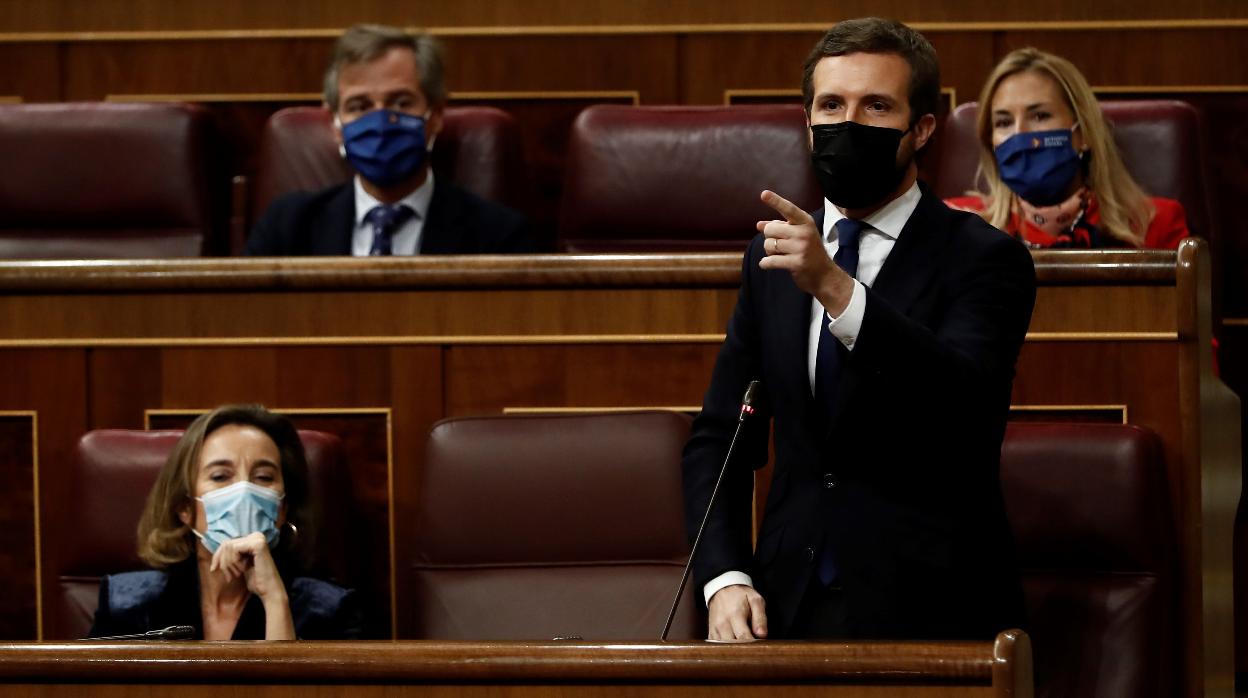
102 180
478 149
1090 512
957 146
297 153
536 527
111 477
1160 142
681 178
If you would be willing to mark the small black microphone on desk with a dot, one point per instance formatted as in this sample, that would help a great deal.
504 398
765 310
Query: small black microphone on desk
173 632
748 402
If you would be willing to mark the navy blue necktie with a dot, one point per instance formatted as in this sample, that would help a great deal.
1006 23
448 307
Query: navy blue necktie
828 362
385 221
831 352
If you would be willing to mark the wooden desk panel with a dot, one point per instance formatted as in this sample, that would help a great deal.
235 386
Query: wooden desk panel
524 377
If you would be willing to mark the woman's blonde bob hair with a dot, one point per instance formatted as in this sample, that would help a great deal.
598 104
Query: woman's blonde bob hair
163 539
1125 210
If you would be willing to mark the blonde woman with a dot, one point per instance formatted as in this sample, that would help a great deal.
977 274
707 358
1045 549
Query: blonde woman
1052 172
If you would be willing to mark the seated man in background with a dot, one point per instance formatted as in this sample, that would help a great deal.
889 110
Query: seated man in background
1053 173
386 91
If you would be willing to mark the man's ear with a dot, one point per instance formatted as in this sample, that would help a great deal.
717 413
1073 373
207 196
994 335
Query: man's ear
923 130
337 124
433 125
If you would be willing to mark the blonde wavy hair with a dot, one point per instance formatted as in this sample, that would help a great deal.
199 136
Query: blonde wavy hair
1125 209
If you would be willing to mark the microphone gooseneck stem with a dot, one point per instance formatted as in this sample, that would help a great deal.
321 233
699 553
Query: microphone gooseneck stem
746 410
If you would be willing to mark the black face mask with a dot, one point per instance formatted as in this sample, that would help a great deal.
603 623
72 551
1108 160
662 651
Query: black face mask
856 165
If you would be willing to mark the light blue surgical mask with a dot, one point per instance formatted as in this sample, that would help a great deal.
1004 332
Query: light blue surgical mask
239 510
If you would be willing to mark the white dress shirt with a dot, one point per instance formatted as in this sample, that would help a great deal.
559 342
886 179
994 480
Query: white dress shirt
873 247
405 240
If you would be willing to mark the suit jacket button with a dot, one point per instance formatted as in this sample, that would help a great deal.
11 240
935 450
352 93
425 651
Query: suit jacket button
829 481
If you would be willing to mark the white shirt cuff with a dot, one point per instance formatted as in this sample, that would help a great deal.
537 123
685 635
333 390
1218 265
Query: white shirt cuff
726 579
849 323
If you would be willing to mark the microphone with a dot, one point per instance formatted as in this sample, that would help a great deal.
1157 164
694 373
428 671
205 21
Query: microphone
173 632
747 408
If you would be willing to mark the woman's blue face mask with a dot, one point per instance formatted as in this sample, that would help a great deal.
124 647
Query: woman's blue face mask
1039 166
239 510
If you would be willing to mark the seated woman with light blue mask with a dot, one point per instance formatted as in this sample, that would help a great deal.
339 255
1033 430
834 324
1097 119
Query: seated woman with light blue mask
221 527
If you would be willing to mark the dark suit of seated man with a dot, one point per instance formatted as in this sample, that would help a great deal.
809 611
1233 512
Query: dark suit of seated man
386 91
884 330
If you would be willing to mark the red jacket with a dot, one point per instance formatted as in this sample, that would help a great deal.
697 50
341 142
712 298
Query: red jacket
1168 227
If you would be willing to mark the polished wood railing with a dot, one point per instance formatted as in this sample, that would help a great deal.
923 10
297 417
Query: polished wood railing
927 669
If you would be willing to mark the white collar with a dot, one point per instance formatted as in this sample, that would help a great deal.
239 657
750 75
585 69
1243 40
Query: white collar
889 219
418 200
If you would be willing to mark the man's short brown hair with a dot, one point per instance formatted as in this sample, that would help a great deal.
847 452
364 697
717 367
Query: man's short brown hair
876 35
366 42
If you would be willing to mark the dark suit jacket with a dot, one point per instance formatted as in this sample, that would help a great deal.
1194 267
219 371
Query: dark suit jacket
902 480
322 222
137 602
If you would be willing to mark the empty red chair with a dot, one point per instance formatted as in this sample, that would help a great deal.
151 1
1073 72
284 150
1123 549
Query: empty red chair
101 180
681 178
1090 511
535 527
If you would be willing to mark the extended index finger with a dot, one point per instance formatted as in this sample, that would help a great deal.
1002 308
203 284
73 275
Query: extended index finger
792 213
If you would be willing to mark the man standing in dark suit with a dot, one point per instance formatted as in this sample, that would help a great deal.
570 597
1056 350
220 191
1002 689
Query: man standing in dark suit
884 329
386 91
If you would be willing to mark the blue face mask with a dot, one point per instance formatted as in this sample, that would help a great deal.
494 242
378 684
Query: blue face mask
239 510
1039 166
385 146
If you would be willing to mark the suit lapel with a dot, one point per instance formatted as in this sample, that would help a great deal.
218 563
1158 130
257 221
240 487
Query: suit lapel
804 330
793 308
910 267
331 233
438 234
906 273
797 329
